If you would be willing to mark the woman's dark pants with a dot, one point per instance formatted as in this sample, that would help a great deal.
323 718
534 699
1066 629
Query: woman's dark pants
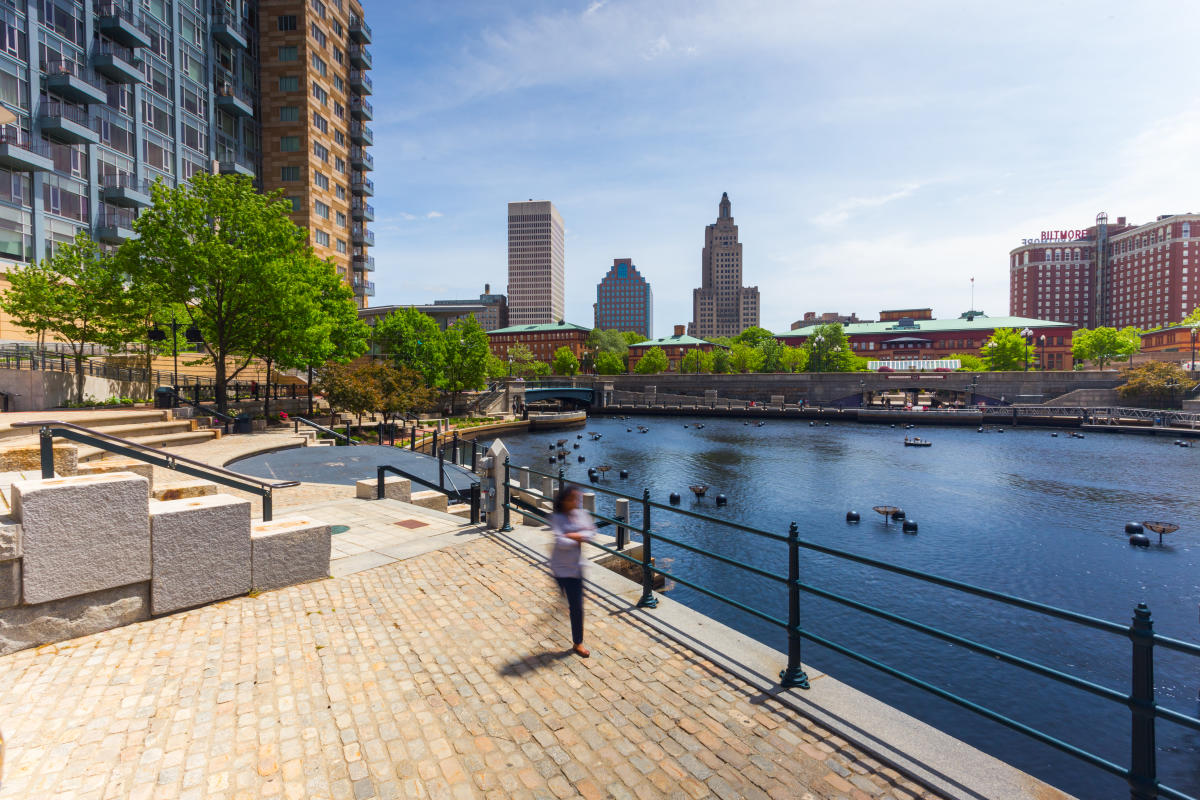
573 589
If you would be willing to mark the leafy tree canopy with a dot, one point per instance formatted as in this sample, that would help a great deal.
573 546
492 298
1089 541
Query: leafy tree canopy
828 349
565 362
632 337
610 364
1157 384
408 338
744 358
754 336
1005 350
1105 344
608 341
652 363
466 356
696 360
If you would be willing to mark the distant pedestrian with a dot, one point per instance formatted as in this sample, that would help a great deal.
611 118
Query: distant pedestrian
572 526
254 389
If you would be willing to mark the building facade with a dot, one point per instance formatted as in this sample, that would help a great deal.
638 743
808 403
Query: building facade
1111 274
907 339
490 310
314 115
536 263
813 318
722 306
542 340
675 347
624 300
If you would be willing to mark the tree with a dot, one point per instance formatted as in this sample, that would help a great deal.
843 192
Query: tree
1005 351
969 362
1156 384
794 359
828 349
348 389
521 361
565 362
771 350
496 368
214 246
653 362
744 358
696 360
1105 344
607 341
539 369
397 392
754 336
720 362
411 339
466 357
77 295
610 364
632 337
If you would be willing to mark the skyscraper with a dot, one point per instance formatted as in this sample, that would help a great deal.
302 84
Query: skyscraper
722 306
536 264
624 301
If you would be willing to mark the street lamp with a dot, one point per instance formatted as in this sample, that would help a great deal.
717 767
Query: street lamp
1042 351
819 339
1027 335
1194 332
192 334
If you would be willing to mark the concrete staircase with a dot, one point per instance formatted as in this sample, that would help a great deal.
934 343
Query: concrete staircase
153 428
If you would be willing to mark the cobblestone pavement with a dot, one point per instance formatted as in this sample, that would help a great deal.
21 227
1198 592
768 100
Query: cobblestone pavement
440 676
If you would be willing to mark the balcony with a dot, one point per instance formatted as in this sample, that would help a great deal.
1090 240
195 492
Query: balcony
361 237
67 123
234 101
115 227
228 29
361 109
361 82
72 81
359 31
360 56
364 187
362 287
361 159
230 162
119 64
127 191
122 26
361 134
362 262
363 212
22 153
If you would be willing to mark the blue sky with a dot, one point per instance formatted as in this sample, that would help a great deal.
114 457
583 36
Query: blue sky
877 154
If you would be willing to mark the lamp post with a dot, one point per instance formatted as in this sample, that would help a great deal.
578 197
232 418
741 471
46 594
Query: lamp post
819 339
1042 352
192 334
1027 335
1194 333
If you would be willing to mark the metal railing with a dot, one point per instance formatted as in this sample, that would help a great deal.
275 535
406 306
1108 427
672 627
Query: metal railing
80 116
150 455
124 180
19 137
344 438
126 54
68 66
471 495
225 419
1140 775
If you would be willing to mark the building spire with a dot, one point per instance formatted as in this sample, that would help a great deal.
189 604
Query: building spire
724 212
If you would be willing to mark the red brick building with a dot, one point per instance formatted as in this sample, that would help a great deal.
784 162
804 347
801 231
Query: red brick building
542 340
675 347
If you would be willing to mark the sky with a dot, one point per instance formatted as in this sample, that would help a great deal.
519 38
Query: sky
877 154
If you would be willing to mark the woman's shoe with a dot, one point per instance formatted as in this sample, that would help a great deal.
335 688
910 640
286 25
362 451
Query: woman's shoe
581 651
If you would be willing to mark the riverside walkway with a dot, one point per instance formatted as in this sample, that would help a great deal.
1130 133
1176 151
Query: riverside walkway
440 675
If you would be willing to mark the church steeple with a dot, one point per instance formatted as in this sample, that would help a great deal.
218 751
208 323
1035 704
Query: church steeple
724 208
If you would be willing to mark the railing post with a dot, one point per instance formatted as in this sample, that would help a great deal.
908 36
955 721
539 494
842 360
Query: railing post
454 452
621 513
648 599
503 496
1143 783
441 454
475 503
379 483
379 427
434 451
412 441
474 455
794 675
46 447
267 506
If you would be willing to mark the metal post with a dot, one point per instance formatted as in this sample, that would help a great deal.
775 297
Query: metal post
622 513
267 506
475 503
474 455
379 483
46 446
1143 784
347 442
503 497
434 451
648 599
441 454
454 452
380 434
794 675
412 442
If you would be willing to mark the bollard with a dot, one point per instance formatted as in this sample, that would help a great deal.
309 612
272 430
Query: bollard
46 448
380 434
589 502
412 441
474 455
524 479
621 513
454 452
794 675
475 497
441 454
504 498
648 599
435 442
548 488
1143 783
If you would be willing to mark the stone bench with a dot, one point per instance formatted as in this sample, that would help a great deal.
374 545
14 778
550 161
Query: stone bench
431 499
394 488
200 551
288 551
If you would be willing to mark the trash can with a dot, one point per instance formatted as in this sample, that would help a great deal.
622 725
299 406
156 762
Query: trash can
241 423
164 397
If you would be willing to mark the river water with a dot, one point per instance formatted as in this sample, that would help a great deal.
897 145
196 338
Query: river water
1020 512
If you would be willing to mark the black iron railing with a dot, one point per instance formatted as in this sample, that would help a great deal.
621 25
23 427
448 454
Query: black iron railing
1140 700
344 438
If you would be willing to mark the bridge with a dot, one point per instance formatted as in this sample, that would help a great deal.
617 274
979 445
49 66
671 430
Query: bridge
579 394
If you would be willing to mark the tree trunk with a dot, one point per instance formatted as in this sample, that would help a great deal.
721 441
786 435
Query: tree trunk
79 374
310 392
219 387
267 400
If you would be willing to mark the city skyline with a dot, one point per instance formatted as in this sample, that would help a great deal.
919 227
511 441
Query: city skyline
867 175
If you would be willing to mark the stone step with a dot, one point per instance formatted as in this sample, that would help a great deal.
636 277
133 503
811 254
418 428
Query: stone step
430 498
196 487
101 419
287 551
88 453
460 510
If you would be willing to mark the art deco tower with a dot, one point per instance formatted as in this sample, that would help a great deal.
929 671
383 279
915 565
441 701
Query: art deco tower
722 306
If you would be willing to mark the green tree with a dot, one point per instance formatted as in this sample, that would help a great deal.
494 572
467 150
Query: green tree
653 362
348 389
408 338
828 350
794 359
293 329
754 336
565 362
632 338
1105 344
397 392
696 360
720 362
496 368
466 357
214 247
1157 384
1005 351
610 364
744 358
77 295
772 354
607 341
969 362
520 361
539 369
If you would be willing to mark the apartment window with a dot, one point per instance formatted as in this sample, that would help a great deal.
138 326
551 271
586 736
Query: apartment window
341 245
319 93
340 138
338 83
321 238
337 28
319 65
321 180
289 113
318 7
339 192
295 201
339 110
289 173
318 34
320 123
287 22
341 219
289 53
289 83
321 151
338 56
322 209
289 144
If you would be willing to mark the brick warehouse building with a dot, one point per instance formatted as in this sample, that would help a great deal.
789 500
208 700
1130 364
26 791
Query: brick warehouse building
910 339
1109 274
675 347
542 340
624 300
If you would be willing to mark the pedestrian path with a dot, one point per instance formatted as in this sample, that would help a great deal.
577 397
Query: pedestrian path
438 675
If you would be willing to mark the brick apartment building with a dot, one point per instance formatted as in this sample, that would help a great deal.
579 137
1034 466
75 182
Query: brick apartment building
675 347
542 340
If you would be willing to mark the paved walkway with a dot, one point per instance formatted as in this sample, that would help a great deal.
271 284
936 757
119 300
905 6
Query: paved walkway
443 676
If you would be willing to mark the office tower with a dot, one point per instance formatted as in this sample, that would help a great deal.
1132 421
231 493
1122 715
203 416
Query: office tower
722 306
315 136
536 264
624 301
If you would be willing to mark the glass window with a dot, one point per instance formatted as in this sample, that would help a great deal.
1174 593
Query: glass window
289 83
287 22
289 113
288 53
289 144
289 173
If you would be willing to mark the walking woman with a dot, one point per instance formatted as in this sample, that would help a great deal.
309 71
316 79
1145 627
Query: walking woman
571 526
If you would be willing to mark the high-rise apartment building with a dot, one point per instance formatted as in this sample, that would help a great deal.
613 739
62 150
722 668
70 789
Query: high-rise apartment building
624 301
314 126
722 306
1111 274
536 264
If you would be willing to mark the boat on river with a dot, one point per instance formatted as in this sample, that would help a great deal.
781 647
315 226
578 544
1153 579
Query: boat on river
917 442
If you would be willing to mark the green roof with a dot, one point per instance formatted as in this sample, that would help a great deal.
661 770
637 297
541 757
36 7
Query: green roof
545 327
980 322
681 340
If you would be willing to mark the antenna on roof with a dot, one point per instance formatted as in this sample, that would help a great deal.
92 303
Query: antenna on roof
972 306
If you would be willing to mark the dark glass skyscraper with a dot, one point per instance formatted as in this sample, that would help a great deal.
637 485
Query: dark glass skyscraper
624 301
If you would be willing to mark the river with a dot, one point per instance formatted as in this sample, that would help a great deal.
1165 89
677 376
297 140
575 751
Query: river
1021 512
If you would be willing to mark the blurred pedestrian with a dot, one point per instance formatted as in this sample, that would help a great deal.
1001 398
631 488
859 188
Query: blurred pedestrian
572 526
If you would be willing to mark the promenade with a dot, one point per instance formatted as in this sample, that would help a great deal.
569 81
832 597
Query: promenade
441 675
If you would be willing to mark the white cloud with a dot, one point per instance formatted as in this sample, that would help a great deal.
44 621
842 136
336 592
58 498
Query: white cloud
659 47
433 215
595 6
845 209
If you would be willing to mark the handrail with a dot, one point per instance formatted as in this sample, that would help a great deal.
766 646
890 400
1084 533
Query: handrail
472 494
151 455
1140 700
323 429
225 418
